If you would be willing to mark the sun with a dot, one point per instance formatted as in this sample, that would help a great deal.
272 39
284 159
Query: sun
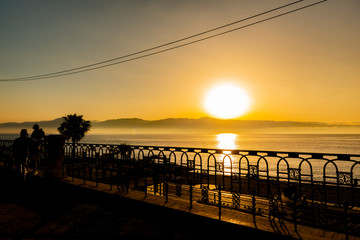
226 101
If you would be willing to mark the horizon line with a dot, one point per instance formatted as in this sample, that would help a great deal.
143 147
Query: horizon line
347 123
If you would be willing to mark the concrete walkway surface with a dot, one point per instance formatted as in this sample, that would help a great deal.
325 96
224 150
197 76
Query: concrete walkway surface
67 209
234 217
59 210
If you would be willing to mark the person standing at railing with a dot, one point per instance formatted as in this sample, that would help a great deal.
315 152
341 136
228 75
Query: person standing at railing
38 133
21 151
39 136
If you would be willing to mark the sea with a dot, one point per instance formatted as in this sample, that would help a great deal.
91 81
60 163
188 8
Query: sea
300 143
309 143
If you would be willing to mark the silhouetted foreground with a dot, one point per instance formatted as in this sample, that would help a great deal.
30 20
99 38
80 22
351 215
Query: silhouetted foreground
285 192
54 210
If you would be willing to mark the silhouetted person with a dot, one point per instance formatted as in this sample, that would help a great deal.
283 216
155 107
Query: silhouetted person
38 135
21 151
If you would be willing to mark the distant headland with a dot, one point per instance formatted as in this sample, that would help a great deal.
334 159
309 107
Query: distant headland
201 124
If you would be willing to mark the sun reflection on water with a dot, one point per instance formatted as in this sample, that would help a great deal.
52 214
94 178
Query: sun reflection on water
226 140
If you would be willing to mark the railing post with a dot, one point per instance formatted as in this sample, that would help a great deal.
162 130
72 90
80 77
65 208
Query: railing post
128 183
205 194
346 220
62 167
53 165
191 195
97 171
166 190
253 207
145 180
111 176
83 166
295 215
219 196
73 169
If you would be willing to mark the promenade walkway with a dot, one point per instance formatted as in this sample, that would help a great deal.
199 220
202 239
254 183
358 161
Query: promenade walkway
246 224
70 210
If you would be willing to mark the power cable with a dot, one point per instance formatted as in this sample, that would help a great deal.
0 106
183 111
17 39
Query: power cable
152 48
86 68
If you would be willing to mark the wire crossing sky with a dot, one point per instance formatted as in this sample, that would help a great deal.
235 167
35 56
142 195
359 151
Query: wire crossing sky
107 63
295 60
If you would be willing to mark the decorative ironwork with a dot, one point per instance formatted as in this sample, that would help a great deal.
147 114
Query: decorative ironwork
204 194
253 171
191 164
344 178
219 167
236 200
294 173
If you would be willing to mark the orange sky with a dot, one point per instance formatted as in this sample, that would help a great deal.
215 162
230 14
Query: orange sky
301 67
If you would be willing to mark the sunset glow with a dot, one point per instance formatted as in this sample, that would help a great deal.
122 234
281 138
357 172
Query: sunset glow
302 66
226 101
133 116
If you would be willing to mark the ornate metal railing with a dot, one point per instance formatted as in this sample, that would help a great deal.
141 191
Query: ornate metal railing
328 178
36 159
6 153
309 188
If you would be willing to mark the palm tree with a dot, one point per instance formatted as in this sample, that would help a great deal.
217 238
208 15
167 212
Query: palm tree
74 127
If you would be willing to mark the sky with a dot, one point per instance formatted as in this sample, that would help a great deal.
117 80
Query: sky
300 67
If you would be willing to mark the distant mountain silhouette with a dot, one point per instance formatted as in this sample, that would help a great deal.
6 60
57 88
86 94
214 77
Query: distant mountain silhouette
43 124
183 123
121 123
206 123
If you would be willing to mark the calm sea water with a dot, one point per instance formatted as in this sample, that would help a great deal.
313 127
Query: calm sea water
313 143
322 143
317 143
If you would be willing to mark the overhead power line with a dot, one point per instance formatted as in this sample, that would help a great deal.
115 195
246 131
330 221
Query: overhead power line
153 48
111 62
